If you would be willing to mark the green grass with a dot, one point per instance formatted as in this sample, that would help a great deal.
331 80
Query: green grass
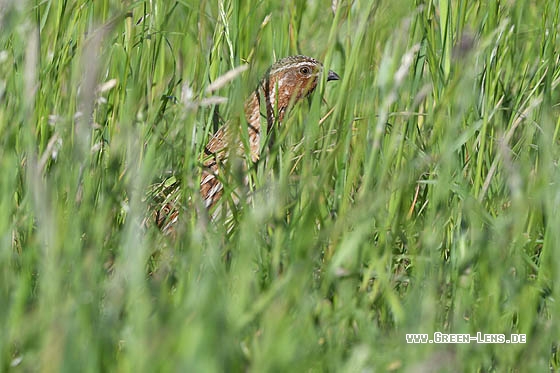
426 202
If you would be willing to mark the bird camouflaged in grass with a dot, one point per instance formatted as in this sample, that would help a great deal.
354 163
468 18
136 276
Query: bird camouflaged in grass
286 82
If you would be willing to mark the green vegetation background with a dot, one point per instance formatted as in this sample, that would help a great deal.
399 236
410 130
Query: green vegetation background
426 201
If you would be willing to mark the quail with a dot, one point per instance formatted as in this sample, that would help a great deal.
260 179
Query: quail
286 82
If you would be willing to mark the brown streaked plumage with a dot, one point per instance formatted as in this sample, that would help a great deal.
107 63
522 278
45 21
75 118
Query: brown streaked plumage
285 83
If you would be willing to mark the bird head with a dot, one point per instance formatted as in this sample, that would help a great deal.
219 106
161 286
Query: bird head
288 81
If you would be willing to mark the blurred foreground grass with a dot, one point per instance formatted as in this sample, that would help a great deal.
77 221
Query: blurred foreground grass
427 201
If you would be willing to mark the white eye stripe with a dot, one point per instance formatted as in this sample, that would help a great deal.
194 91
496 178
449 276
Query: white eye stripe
308 64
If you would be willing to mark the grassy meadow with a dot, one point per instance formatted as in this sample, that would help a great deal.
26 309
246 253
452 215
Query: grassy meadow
418 194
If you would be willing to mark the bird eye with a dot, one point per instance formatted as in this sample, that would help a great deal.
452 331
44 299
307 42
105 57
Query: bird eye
304 70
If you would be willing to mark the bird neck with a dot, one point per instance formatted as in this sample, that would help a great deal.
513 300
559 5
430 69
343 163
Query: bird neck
253 112
266 90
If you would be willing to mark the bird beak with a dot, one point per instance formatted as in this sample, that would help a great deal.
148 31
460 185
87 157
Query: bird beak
332 76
